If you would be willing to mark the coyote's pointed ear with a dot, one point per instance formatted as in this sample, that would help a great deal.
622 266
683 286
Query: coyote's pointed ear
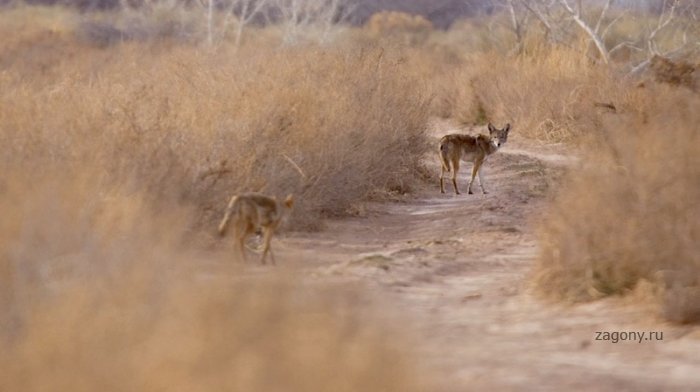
289 201
507 128
491 128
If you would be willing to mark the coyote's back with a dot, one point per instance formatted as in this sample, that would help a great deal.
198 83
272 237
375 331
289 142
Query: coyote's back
454 146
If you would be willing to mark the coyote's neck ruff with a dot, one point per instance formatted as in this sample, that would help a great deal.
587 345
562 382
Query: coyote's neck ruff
475 149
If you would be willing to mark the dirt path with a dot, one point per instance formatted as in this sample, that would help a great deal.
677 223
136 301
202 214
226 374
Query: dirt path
458 267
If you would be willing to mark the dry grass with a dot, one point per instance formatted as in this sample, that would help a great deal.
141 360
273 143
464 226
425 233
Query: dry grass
630 213
201 337
99 294
118 160
551 94
195 126
410 29
117 163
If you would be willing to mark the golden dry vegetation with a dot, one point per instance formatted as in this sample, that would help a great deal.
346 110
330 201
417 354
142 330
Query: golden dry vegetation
117 161
118 155
630 213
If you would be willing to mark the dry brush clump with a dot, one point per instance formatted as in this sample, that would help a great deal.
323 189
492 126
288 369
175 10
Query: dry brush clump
213 335
551 94
116 160
98 292
630 212
408 28
332 125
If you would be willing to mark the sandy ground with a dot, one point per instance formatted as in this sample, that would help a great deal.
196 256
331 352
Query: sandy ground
456 268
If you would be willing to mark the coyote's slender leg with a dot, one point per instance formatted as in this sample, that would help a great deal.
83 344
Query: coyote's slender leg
455 169
267 233
481 181
475 170
240 243
442 178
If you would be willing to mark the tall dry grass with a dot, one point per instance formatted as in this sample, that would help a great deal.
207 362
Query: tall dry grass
201 337
627 217
118 159
99 293
630 212
332 125
116 164
551 94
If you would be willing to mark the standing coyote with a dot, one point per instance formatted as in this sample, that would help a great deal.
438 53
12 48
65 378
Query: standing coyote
252 212
470 149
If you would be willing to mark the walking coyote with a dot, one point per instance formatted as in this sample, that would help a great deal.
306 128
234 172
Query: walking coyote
252 212
473 149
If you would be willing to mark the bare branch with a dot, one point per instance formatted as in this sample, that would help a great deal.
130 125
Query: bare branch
602 15
576 15
664 20
558 16
538 14
514 20
298 169
612 23
247 14
569 9
625 44
299 15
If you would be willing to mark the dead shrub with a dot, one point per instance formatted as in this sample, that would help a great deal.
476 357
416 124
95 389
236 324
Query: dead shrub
333 126
98 293
629 213
411 29
169 20
391 21
549 94
215 335
117 161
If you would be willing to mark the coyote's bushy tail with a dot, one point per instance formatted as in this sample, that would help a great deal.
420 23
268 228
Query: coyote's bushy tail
443 156
230 209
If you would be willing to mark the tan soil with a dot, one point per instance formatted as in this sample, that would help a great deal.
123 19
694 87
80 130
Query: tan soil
456 267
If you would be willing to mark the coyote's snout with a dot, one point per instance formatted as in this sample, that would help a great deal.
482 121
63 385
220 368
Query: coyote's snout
473 149
250 212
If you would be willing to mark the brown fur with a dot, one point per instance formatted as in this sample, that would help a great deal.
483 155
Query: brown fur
252 212
475 149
